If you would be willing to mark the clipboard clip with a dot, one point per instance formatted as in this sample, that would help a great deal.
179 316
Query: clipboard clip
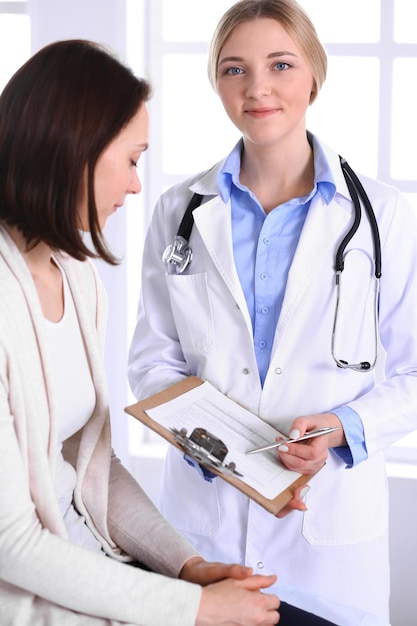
206 449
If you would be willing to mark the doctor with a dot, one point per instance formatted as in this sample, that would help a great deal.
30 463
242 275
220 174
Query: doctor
254 313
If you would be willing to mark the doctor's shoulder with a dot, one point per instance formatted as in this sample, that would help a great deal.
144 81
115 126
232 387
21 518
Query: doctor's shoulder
176 198
386 199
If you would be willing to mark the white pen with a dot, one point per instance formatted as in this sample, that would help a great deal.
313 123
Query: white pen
309 435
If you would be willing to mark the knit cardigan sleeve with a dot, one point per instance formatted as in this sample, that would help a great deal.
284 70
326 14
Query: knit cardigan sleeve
44 578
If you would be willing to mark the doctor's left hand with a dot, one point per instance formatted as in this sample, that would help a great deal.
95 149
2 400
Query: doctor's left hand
197 570
296 503
308 457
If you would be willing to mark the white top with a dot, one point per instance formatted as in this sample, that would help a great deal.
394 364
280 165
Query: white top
75 400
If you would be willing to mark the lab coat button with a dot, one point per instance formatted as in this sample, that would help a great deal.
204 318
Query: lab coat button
245 371
278 371
260 565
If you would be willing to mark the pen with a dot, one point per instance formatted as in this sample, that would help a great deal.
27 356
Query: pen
309 435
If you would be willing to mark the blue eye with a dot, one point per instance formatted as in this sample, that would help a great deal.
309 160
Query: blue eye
281 66
234 71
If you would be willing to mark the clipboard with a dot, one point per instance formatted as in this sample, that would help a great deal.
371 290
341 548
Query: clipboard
139 411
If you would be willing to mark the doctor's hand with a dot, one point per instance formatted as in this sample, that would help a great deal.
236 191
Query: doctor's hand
238 603
197 570
296 503
307 457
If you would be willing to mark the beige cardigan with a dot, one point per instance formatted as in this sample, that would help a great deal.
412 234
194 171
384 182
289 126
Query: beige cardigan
44 578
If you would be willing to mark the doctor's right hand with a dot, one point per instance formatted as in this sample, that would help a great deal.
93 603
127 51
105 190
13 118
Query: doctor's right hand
239 603
309 456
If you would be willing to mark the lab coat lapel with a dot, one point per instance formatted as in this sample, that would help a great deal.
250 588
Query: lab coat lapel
213 221
322 229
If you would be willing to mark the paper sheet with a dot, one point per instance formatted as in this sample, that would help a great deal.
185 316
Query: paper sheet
237 427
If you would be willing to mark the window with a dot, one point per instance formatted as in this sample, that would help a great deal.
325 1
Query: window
14 38
373 63
366 108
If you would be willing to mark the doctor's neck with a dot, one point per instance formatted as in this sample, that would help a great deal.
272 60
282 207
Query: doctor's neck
277 173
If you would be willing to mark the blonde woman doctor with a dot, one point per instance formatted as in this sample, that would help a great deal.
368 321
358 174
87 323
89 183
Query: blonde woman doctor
253 313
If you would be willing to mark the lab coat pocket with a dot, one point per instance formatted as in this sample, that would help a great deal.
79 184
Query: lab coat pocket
191 309
187 501
347 506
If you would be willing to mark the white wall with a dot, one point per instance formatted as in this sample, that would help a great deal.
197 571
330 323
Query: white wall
403 547
104 21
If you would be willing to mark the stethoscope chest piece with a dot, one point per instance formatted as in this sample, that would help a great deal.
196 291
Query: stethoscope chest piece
179 254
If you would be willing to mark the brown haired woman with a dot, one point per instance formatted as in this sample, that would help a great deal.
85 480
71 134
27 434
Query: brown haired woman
73 124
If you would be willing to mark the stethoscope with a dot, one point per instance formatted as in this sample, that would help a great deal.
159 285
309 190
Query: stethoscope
180 255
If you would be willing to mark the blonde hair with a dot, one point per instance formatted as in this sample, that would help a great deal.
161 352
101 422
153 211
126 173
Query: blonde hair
292 18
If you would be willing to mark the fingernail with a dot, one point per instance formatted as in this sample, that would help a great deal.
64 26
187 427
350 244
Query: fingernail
304 491
283 448
294 433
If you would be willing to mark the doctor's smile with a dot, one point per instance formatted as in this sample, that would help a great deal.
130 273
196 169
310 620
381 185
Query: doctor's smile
261 113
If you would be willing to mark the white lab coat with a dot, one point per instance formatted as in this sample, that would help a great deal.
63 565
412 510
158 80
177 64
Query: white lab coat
198 323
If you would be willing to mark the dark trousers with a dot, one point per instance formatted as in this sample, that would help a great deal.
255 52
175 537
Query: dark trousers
140 565
293 616
290 615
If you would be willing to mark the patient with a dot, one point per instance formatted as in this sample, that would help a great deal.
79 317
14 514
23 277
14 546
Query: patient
73 125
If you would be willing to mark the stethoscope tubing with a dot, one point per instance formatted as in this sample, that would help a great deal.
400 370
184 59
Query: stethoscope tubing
356 189
180 254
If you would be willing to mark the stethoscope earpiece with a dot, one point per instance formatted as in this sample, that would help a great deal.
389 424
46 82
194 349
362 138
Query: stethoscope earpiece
358 367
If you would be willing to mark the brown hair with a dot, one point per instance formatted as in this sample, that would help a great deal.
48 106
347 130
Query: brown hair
290 15
57 114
